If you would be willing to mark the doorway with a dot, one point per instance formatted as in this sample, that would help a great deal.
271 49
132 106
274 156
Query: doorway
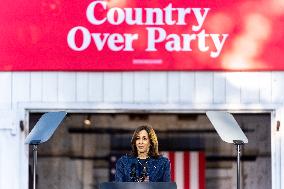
79 153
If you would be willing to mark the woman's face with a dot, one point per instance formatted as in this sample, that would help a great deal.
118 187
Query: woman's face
142 142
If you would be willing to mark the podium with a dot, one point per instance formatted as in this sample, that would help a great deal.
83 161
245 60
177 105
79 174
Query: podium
229 131
42 132
138 185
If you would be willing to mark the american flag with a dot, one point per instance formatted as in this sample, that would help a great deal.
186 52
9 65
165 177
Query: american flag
187 168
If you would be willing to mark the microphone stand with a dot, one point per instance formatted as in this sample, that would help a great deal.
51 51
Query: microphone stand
144 174
133 176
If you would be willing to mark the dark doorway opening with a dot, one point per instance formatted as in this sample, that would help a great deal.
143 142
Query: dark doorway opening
79 154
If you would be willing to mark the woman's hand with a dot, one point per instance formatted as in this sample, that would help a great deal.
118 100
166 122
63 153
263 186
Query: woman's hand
146 179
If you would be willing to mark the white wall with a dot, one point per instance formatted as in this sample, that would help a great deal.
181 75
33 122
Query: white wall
141 87
190 90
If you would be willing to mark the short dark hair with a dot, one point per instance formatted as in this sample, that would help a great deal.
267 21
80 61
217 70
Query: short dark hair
154 146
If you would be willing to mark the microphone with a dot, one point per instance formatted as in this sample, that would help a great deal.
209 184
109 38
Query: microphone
133 177
143 174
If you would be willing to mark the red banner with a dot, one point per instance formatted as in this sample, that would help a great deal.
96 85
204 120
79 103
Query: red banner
76 35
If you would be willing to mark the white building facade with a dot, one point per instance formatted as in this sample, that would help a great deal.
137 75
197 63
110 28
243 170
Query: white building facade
25 92
175 56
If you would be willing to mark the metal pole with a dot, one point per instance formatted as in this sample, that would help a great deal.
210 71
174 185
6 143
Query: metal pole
238 165
238 144
34 165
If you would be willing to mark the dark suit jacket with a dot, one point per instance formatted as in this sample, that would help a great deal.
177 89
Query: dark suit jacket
158 169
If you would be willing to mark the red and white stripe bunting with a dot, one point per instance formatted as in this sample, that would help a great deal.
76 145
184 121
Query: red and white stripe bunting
187 169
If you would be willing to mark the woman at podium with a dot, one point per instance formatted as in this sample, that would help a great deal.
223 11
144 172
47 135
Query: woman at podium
144 164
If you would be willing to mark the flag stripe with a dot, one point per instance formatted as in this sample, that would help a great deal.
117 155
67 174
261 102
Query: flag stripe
186 170
179 177
194 170
172 159
201 170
